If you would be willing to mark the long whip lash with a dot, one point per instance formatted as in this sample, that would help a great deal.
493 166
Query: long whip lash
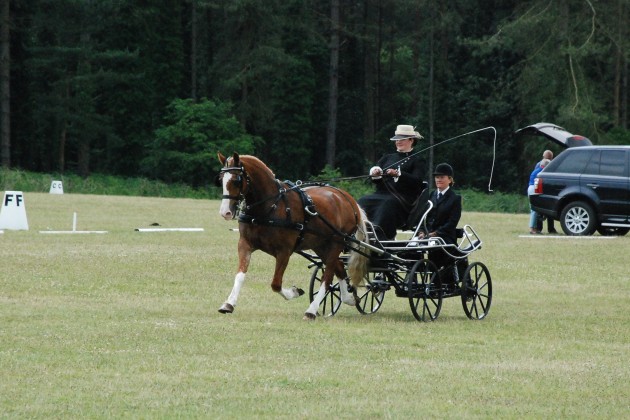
400 162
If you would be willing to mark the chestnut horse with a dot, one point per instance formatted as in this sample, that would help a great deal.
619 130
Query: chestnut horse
280 218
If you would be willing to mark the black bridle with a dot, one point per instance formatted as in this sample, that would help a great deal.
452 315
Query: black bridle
241 174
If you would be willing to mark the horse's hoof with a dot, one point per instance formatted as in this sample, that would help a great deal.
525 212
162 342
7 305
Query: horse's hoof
226 308
299 291
309 316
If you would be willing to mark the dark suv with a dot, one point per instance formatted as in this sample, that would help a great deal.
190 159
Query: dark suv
587 189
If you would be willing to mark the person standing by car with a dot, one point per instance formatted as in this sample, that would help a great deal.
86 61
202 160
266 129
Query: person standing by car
547 154
586 189
534 216
398 178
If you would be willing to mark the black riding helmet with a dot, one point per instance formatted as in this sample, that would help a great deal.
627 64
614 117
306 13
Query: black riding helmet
443 169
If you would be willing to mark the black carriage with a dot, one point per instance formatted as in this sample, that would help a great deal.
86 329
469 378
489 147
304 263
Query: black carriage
406 267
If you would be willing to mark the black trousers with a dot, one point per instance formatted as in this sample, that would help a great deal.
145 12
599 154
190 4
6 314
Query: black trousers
550 225
385 212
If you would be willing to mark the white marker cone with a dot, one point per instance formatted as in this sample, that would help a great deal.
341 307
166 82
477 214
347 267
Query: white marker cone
56 187
13 211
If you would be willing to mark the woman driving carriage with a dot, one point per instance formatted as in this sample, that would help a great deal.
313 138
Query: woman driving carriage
398 178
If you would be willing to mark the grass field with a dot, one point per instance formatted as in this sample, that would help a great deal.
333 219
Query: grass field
125 324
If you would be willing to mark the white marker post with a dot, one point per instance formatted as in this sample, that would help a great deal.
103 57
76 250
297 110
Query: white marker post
56 187
169 229
13 211
74 228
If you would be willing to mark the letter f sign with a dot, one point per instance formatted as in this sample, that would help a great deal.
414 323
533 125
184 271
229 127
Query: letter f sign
9 197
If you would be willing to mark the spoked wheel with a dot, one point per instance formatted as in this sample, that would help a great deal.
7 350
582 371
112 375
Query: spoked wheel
371 292
476 291
424 290
331 303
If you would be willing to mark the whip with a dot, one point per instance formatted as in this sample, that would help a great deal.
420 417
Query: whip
402 161
494 146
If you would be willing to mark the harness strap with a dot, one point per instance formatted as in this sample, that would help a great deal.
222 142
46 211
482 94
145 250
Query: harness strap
309 210
286 223
281 223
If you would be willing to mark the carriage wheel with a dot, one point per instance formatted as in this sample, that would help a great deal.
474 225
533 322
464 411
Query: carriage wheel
476 291
371 292
424 290
331 303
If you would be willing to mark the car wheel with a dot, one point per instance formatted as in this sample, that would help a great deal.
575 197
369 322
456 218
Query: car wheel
578 219
612 231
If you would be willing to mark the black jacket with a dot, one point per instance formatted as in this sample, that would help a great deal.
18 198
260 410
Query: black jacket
409 184
445 214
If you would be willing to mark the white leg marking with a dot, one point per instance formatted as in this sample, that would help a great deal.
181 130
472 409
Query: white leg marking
290 293
346 297
238 283
321 294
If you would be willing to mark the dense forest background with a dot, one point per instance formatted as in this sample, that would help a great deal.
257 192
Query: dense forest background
156 88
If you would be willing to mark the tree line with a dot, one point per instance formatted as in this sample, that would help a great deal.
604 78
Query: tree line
155 89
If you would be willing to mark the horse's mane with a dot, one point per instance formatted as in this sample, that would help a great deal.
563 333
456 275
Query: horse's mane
253 160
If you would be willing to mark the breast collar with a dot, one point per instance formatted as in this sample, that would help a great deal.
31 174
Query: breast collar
268 219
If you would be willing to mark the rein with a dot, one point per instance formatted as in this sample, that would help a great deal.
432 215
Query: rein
241 193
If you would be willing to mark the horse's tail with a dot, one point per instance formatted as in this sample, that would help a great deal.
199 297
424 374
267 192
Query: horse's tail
358 262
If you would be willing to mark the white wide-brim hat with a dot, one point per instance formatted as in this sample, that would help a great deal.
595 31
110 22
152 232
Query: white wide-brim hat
405 132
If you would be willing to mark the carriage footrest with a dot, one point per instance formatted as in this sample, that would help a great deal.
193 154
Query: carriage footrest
431 292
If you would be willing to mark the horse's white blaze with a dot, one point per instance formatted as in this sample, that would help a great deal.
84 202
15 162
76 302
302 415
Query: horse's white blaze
224 210
321 294
239 279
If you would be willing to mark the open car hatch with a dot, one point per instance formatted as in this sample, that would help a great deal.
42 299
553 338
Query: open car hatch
556 134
